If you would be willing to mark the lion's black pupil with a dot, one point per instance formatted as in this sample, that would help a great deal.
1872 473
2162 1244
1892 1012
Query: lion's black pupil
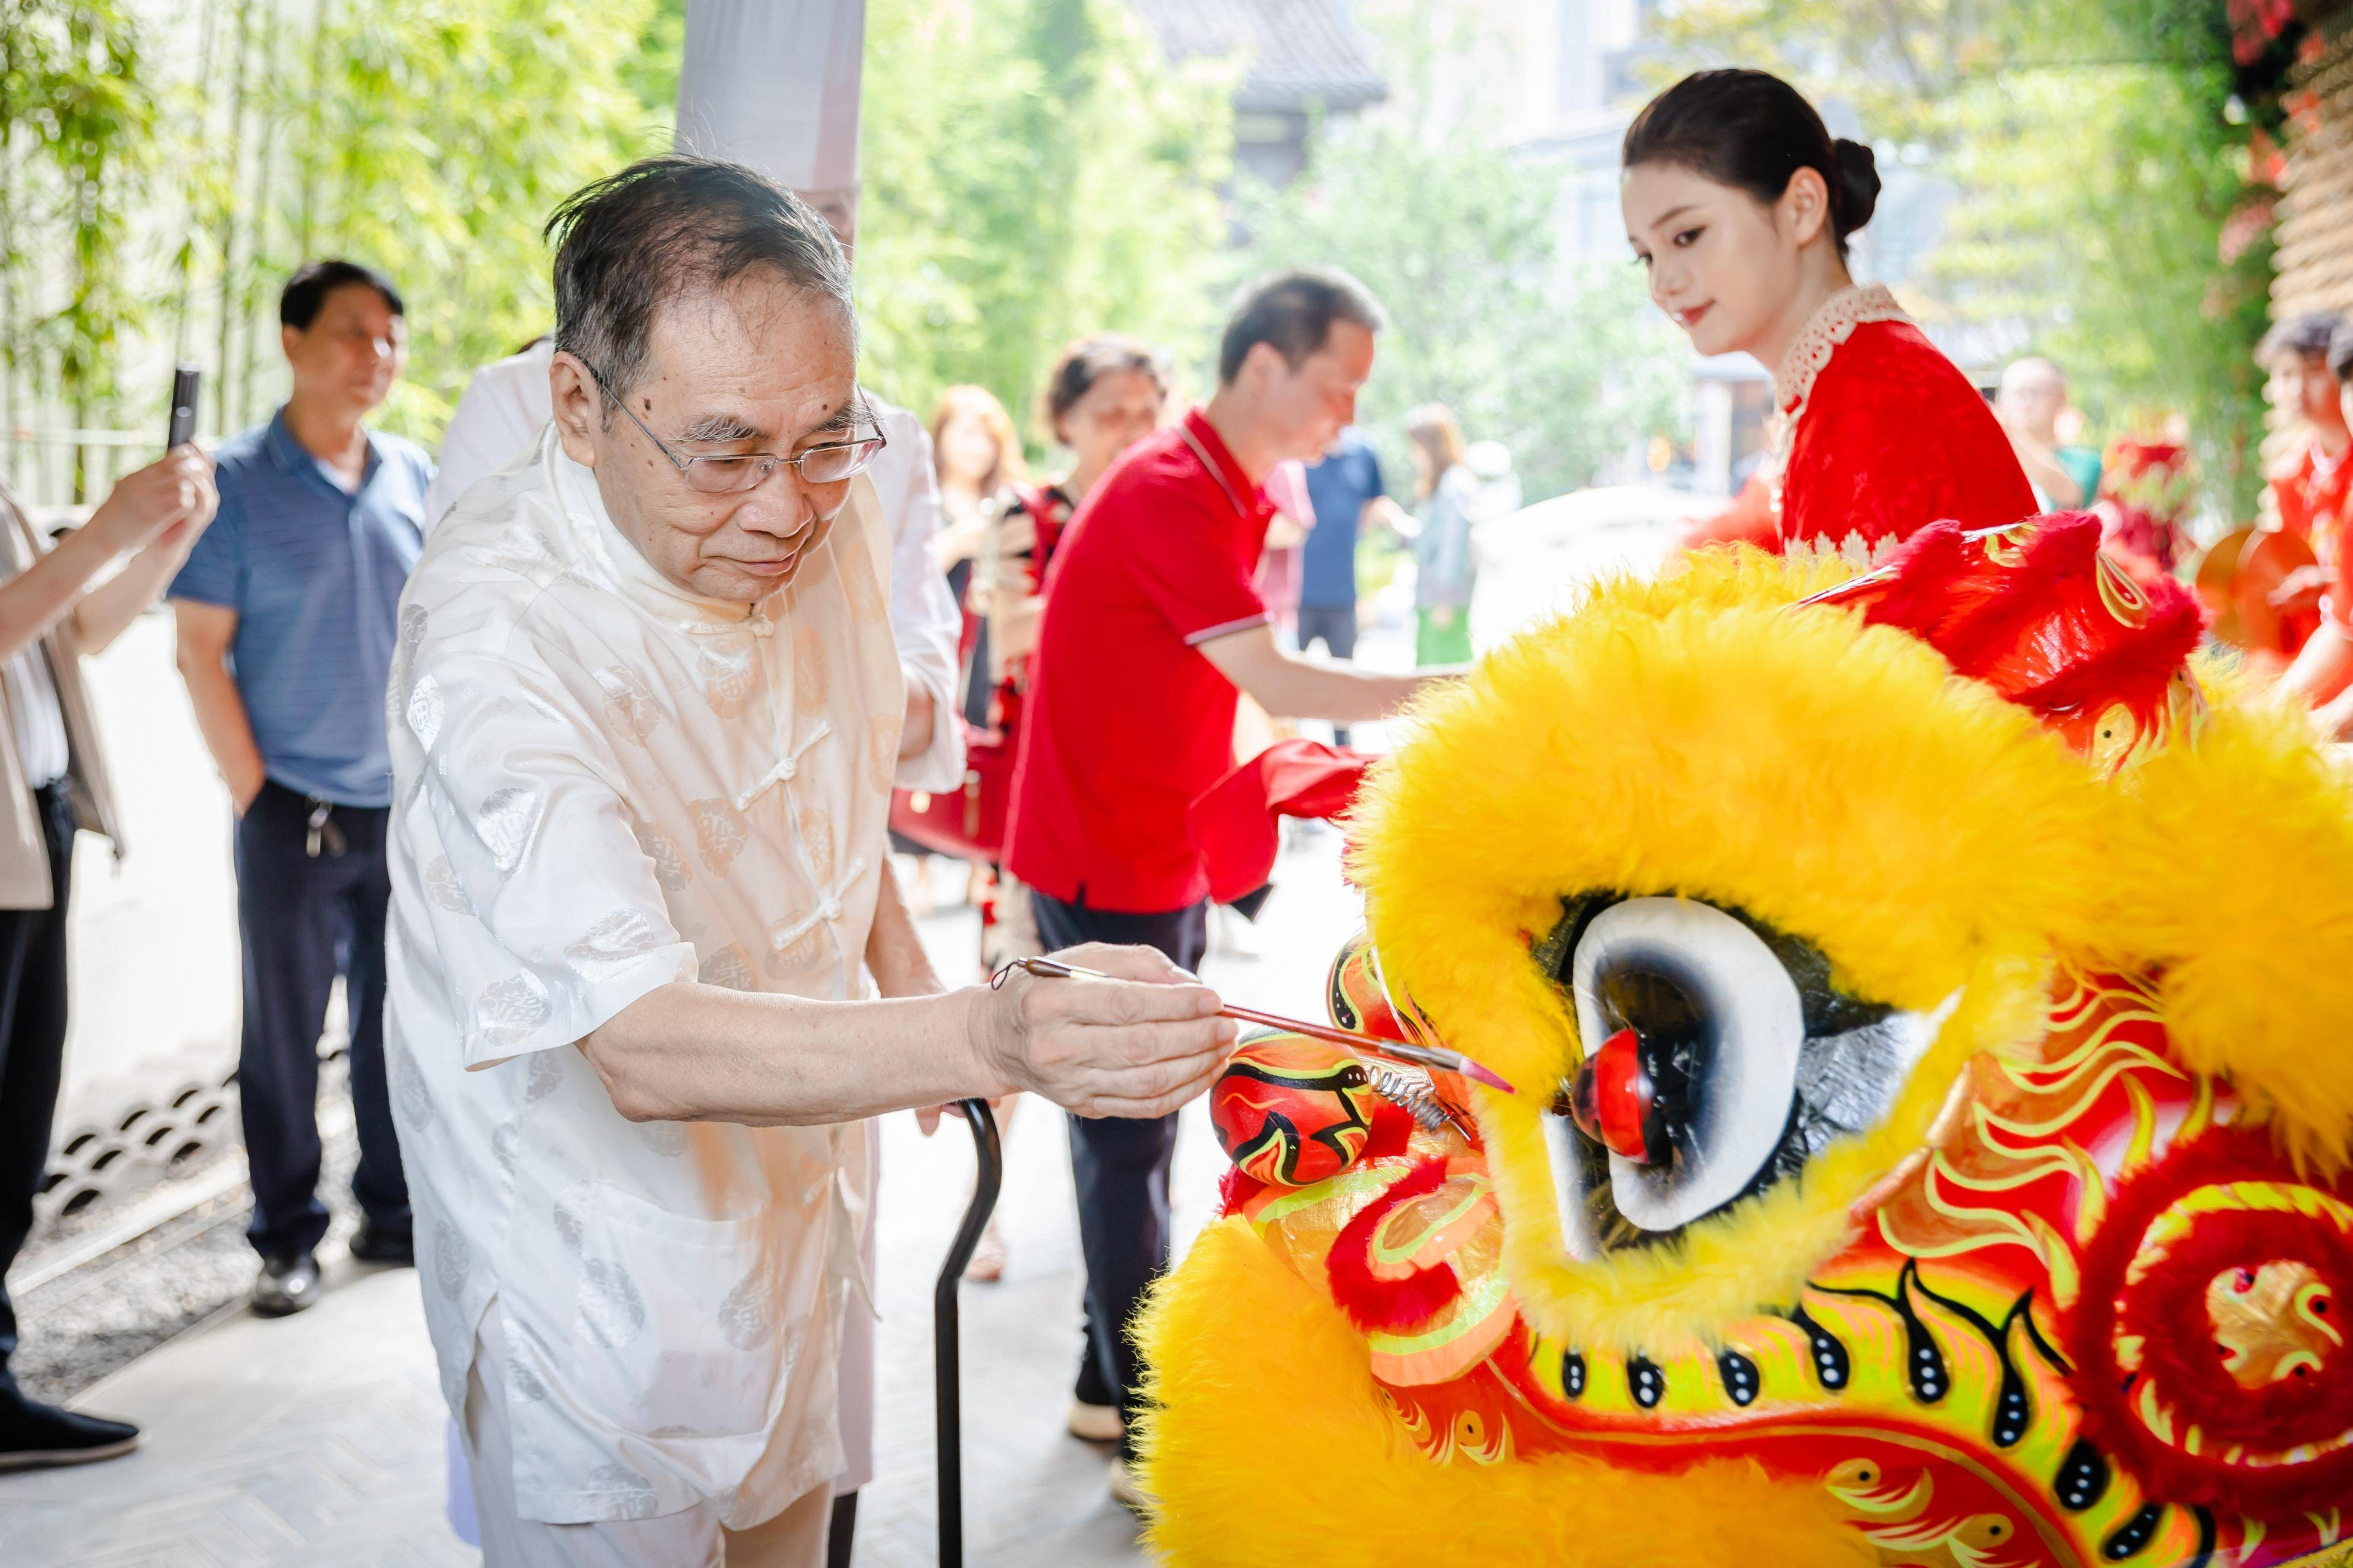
1677 1032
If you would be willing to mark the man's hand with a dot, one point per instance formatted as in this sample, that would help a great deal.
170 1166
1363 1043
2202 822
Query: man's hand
168 501
1138 1046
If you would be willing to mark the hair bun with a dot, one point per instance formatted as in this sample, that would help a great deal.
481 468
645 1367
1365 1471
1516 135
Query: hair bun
1859 173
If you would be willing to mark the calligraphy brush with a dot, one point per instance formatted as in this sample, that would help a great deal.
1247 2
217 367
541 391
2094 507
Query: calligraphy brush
1437 1057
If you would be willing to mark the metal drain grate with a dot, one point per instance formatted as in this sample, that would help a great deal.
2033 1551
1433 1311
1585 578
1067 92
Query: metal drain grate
139 1144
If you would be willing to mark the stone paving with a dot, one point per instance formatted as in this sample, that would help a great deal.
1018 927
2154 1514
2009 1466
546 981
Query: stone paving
320 1439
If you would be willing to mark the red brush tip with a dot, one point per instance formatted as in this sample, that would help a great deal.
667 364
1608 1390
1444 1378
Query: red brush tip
1487 1076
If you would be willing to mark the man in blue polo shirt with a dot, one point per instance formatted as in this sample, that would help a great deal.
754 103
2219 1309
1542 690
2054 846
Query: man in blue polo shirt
288 610
1345 489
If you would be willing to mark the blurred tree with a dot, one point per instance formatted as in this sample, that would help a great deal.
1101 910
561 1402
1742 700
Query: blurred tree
76 112
1567 367
432 141
1033 171
2099 149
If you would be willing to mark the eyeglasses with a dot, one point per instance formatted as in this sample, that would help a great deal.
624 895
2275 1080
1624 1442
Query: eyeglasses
732 473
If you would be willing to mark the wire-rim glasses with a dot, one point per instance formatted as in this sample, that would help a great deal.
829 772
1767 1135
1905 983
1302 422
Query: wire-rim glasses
732 473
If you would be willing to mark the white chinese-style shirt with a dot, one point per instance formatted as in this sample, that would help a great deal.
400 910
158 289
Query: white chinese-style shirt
507 404
604 783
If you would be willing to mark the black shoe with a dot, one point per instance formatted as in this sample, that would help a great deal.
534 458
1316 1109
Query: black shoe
286 1285
33 1435
397 1248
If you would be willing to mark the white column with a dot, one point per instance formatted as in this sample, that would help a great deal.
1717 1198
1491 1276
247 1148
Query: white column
774 85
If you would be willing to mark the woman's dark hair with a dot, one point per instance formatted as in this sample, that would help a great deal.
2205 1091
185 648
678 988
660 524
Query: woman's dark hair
1088 361
2340 351
1751 129
2304 336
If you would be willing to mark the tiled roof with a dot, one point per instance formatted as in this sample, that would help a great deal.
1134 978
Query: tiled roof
1300 52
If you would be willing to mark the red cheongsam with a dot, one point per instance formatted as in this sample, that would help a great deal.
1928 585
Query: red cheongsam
1880 435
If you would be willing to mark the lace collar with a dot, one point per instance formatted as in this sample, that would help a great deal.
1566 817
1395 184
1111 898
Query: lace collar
1832 323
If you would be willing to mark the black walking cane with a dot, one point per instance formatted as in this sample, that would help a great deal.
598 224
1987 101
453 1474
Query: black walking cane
989 1156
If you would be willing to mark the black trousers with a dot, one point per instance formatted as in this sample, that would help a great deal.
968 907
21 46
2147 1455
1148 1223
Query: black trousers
32 1049
1119 1165
296 911
1333 625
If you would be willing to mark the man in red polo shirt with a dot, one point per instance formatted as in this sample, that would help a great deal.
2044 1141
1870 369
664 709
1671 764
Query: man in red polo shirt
1151 629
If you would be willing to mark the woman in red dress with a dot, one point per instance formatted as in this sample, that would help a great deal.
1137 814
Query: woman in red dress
1740 205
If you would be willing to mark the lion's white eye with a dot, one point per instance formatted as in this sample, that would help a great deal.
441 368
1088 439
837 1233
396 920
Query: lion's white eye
1696 1027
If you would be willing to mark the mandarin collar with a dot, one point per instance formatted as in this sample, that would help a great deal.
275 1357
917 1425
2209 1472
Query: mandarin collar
612 557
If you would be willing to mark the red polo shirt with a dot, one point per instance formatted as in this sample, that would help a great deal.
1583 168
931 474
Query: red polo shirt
1127 723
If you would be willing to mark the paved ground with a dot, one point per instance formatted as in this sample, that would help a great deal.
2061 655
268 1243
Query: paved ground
319 1439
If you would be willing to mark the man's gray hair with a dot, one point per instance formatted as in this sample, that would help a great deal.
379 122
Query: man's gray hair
668 226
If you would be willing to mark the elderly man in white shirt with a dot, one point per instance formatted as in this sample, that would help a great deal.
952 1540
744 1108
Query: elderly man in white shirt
646 713
506 405
498 421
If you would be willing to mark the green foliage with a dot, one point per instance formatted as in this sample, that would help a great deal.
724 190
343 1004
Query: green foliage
2097 166
1032 171
2114 258
1564 365
76 112
432 142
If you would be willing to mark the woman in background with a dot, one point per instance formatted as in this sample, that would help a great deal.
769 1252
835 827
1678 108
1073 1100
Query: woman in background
1104 393
976 454
1739 206
1445 569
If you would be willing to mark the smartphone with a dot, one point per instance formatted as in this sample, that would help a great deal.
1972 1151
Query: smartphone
184 381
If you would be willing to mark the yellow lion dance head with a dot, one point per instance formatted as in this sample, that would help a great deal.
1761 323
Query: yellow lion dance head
1927 1003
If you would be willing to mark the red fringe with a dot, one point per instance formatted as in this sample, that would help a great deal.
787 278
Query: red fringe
1976 634
1392 1128
1922 573
1394 1305
2136 667
1235 1188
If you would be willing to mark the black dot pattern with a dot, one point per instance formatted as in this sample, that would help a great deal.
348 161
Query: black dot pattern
2011 1412
1832 1363
1645 1381
1740 1380
2083 1478
2132 1537
1923 1364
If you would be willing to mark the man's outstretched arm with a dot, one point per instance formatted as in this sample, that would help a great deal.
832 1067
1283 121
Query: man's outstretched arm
1291 686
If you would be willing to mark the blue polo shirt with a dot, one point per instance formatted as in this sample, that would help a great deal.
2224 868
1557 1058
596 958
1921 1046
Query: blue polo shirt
314 576
1338 486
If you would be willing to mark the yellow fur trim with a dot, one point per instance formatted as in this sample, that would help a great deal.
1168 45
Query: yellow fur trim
2229 870
1273 1445
1703 737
